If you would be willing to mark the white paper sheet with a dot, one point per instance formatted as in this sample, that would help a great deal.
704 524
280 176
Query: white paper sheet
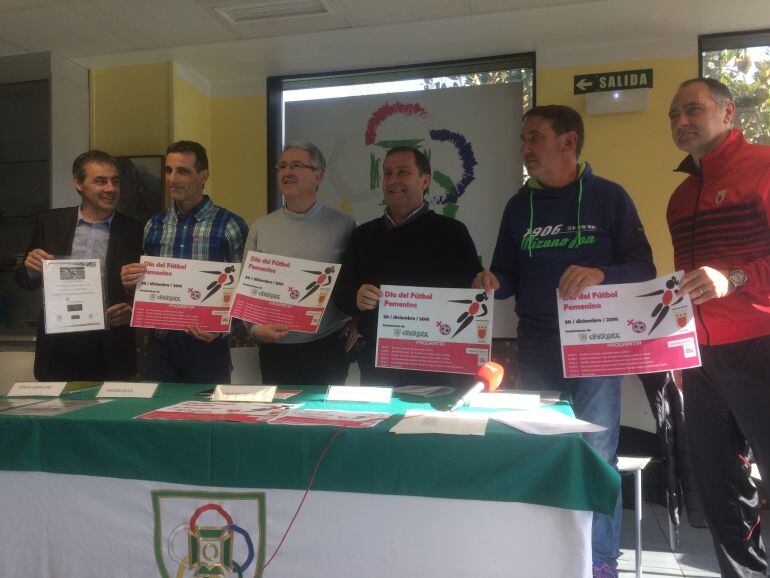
53 407
545 421
72 291
437 422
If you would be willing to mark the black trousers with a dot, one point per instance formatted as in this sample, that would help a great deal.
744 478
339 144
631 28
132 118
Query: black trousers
181 358
727 408
86 356
319 362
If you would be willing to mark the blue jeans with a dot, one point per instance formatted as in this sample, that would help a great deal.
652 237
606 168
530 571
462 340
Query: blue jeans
594 399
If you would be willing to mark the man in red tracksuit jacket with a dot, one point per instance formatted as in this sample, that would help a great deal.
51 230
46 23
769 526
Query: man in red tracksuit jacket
719 219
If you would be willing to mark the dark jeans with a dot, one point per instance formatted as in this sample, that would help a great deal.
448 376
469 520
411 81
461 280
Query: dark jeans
727 404
181 358
594 399
320 362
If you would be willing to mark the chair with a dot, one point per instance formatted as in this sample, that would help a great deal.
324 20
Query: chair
635 465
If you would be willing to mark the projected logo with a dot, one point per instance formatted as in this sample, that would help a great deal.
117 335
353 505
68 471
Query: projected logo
209 534
444 191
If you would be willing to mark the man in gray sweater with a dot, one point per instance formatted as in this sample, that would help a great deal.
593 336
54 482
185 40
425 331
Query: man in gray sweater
305 229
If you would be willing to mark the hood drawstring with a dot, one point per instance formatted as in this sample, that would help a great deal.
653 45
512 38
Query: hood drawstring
531 223
579 235
580 202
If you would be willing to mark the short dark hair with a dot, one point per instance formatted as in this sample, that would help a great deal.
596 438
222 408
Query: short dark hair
422 162
92 156
316 157
719 92
190 146
563 119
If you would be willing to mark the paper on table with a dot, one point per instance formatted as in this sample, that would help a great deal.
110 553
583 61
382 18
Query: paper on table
37 388
425 390
505 400
218 411
54 407
545 421
14 403
250 393
353 419
437 422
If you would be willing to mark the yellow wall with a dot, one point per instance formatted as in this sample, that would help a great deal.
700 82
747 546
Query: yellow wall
240 141
131 109
140 109
192 121
634 149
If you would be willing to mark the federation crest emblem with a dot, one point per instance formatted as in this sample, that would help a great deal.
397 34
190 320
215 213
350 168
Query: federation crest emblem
719 198
209 534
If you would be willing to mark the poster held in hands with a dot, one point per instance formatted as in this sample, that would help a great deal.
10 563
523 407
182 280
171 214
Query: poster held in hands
284 291
179 293
628 329
430 329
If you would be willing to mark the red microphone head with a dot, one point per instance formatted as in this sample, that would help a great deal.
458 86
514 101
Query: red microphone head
491 374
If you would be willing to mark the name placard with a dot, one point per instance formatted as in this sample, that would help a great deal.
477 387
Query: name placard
41 388
127 389
501 400
359 393
252 393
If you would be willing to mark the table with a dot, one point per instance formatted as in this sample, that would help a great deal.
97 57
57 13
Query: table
95 492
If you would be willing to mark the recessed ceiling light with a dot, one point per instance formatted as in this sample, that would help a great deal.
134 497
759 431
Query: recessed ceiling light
269 9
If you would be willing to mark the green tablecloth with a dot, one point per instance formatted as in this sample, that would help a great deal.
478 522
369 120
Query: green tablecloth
504 465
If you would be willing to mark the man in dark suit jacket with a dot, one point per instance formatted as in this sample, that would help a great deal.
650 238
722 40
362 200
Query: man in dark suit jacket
92 230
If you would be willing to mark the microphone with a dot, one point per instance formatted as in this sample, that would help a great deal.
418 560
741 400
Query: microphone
488 377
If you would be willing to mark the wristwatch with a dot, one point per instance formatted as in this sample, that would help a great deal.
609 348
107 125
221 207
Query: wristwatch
737 278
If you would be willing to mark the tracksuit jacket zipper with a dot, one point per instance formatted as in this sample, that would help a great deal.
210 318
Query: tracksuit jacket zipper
692 251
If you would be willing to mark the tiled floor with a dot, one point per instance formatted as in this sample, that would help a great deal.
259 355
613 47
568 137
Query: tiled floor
693 558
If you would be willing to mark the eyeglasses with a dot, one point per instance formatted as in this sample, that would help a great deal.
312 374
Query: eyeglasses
295 166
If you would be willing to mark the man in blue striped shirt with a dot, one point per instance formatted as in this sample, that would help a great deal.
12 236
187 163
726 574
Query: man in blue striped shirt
192 228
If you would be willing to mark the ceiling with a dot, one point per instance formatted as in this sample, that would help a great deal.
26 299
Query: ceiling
344 34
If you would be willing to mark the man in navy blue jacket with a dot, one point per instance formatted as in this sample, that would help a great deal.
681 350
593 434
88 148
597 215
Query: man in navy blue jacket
566 229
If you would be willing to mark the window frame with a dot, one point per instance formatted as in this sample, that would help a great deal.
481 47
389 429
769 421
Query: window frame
276 85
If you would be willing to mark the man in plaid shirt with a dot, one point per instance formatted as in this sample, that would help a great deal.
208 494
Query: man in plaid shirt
192 228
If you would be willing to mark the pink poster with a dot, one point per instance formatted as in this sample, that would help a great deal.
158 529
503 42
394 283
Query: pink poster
430 329
283 290
628 329
178 293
